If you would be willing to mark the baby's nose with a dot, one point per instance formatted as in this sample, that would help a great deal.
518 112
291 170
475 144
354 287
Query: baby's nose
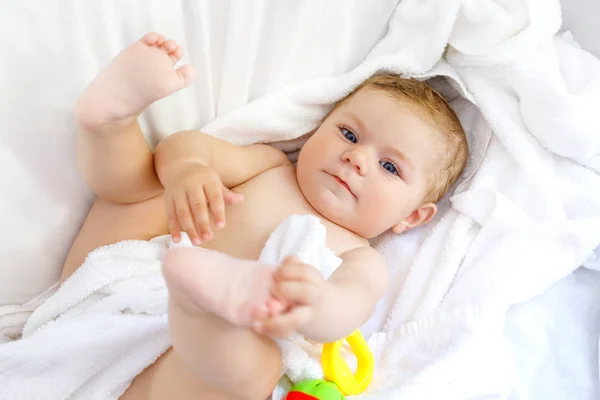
358 158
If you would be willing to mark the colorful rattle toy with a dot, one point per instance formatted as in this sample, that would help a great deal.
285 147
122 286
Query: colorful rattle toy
315 389
339 379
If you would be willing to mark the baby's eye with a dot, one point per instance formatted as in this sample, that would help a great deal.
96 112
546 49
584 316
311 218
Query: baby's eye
349 135
389 167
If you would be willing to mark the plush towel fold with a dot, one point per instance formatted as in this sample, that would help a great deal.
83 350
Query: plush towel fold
100 329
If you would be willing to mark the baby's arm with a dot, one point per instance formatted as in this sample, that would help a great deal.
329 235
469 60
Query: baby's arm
349 296
234 164
197 171
329 310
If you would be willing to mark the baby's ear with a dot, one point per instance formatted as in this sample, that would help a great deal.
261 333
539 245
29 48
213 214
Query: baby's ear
419 216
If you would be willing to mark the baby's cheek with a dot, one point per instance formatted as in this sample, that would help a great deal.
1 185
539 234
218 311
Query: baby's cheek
375 210
388 207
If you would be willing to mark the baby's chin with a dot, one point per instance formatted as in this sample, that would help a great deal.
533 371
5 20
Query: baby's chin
360 224
329 206
339 214
334 208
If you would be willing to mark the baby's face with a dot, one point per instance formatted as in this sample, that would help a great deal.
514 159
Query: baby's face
368 165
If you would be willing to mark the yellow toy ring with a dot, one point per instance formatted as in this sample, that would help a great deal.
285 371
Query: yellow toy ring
336 370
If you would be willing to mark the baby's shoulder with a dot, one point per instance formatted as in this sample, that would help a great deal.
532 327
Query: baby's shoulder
362 253
367 265
340 240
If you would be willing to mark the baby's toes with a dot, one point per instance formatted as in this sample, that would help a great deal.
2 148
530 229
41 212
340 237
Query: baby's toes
153 39
150 38
186 74
169 47
259 312
275 307
248 314
178 53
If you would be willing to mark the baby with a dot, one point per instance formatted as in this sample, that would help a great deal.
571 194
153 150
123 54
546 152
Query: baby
379 161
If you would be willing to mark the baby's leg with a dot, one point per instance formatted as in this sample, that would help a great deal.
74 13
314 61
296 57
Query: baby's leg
213 298
113 156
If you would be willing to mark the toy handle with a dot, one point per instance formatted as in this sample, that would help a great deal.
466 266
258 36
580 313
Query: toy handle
336 370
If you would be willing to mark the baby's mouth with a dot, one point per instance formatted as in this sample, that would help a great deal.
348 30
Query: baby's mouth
343 183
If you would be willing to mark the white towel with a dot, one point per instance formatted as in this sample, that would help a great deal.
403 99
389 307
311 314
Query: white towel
99 330
108 321
14 317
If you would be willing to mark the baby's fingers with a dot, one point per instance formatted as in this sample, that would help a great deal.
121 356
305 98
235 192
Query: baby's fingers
172 219
184 217
297 292
276 306
201 224
293 269
214 196
284 325
232 198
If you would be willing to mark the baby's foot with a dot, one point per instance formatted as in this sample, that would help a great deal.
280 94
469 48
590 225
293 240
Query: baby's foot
206 280
136 77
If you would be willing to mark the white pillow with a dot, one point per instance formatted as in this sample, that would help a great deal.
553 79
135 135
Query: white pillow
52 49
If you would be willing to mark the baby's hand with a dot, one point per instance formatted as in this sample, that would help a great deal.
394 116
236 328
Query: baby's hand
191 193
298 287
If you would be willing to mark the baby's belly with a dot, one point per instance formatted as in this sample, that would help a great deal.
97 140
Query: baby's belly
240 239
268 200
248 229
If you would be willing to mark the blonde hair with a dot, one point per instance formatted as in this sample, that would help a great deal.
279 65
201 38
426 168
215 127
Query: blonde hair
434 110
